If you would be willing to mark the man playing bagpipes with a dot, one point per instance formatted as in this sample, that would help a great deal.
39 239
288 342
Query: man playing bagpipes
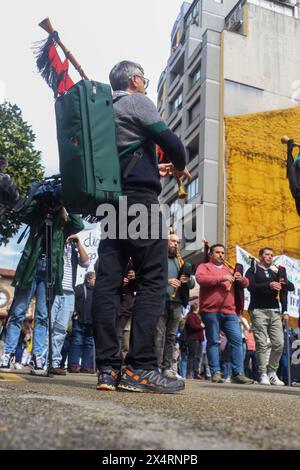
177 294
293 169
267 286
138 127
135 131
218 310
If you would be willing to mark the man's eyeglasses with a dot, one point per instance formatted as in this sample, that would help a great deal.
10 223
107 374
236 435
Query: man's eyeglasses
145 80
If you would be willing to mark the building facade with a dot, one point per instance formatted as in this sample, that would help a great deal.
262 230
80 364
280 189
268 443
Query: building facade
228 58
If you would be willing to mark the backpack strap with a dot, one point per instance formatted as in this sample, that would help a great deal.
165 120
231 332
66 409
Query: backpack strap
133 161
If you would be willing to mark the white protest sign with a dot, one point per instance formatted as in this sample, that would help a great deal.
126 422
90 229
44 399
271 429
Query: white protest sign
90 239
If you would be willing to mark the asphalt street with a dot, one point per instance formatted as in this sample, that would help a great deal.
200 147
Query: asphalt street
69 413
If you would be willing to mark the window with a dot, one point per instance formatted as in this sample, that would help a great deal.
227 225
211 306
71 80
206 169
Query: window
194 112
193 148
173 210
177 103
177 130
190 229
195 76
193 189
173 207
193 15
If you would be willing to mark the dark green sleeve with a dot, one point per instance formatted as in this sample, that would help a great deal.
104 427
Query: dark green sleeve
74 225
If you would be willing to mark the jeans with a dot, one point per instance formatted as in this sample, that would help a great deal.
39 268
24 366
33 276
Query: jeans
226 370
150 260
20 306
82 346
61 312
166 335
183 363
214 322
19 350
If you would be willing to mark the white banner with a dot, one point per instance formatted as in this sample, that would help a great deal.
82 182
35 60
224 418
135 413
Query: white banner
90 239
293 272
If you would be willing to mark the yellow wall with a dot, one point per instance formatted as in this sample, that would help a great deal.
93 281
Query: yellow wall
258 200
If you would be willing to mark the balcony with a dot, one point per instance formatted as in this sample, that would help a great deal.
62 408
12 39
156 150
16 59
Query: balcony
174 84
235 20
177 53
161 82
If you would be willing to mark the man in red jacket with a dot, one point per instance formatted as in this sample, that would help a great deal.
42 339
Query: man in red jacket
218 312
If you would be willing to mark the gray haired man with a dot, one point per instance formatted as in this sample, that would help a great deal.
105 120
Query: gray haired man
139 128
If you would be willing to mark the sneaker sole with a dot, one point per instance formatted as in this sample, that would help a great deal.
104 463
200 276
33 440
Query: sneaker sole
40 373
106 387
242 383
143 389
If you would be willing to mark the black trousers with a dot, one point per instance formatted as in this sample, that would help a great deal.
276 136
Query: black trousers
150 258
194 355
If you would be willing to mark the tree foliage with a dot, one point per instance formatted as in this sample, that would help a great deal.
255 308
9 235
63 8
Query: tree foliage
23 160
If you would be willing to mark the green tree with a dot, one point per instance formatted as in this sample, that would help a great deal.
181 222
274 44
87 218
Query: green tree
23 160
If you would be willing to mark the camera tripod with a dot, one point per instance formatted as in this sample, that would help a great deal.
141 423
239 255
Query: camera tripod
49 285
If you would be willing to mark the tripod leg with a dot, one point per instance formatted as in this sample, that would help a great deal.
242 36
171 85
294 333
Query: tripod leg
49 281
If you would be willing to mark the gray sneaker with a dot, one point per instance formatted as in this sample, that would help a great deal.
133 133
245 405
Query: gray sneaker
171 374
217 377
241 379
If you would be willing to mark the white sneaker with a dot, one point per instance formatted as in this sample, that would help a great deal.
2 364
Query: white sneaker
7 362
274 380
18 366
37 366
264 380
171 374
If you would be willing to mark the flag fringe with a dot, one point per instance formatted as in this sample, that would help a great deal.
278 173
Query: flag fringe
41 52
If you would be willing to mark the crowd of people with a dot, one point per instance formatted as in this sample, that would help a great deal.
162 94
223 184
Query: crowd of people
202 340
128 318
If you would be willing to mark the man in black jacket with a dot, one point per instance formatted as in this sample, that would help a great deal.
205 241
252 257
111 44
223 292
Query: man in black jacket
264 310
139 128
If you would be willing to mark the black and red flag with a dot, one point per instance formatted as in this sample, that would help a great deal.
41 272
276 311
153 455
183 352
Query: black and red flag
53 70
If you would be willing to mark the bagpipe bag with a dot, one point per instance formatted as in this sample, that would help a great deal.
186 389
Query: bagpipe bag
88 155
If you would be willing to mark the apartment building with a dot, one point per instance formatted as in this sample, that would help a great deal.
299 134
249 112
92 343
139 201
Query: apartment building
228 57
